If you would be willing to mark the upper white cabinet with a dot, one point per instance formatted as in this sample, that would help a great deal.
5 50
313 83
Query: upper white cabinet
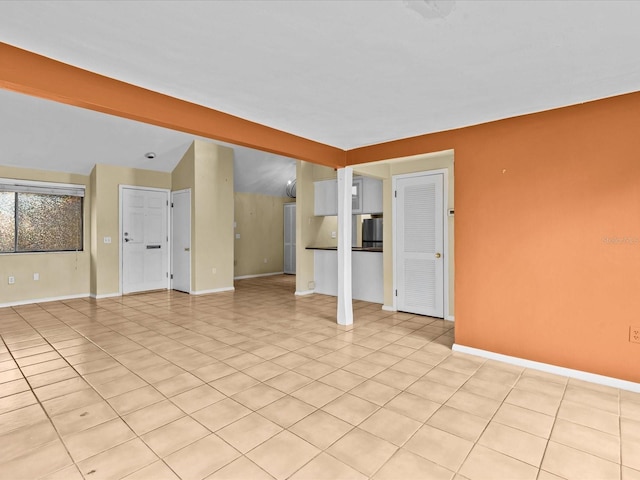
371 195
366 196
325 198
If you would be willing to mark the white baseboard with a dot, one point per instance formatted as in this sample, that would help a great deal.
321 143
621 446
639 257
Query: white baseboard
450 318
304 292
242 277
43 300
389 308
105 295
214 290
546 367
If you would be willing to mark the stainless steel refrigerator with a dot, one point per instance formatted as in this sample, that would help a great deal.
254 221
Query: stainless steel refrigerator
372 233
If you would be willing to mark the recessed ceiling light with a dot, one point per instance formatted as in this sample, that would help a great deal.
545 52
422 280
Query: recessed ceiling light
150 155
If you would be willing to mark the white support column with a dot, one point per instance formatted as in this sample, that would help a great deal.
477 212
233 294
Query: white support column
345 306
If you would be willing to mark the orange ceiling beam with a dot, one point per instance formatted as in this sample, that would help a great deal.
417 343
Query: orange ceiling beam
32 74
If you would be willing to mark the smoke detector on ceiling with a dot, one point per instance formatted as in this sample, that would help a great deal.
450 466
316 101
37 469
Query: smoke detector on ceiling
150 155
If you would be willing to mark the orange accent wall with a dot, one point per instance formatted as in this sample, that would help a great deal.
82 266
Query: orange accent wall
26 72
547 221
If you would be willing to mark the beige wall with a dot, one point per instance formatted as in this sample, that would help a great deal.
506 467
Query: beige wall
183 175
62 273
304 221
105 220
260 224
212 215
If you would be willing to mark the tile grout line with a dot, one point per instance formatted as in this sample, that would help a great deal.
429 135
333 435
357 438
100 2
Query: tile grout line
39 402
76 464
553 426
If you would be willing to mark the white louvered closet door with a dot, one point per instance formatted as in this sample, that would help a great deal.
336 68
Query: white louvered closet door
290 238
420 245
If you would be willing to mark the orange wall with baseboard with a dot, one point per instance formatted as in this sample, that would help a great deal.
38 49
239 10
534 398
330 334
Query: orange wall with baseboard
547 210
547 219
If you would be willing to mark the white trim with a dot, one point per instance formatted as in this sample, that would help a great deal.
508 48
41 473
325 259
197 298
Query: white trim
389 308
445 230
44 300
105 295
450 318
242 277
304 292
214 290
546 367
120 243
344 313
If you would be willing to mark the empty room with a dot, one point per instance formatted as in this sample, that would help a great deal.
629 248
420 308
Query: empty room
359 239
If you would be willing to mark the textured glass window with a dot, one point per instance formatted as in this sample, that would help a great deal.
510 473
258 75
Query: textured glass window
7 221
48 222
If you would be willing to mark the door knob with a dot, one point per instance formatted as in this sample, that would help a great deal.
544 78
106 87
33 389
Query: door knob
438 255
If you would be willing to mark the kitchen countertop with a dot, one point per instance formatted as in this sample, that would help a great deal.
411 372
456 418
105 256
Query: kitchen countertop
354 249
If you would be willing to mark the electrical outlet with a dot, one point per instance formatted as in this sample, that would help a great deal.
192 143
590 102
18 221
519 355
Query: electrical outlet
634 334
214 270
12 280
333 234
265 260
106 239
36 276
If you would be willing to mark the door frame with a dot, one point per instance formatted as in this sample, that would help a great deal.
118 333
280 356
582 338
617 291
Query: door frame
445 232
184 190
121 188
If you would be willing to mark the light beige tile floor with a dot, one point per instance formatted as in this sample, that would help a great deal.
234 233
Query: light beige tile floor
258 384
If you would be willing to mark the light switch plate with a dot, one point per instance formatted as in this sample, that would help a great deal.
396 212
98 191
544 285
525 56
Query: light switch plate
107 239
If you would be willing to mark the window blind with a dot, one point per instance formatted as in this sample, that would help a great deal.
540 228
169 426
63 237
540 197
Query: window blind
23 186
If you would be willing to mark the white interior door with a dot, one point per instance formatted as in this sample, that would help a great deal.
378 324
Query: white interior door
144 240
419 244
181 240
290 238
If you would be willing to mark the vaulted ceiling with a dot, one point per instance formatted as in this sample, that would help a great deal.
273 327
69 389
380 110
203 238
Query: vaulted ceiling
345 74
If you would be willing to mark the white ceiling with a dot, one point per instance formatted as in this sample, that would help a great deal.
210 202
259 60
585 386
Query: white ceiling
344 73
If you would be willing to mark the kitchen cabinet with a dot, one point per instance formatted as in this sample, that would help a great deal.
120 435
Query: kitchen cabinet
367 274
325 198
371 195
366 196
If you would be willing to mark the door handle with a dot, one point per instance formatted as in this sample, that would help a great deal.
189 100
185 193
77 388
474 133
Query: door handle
187 249
438 255
127 239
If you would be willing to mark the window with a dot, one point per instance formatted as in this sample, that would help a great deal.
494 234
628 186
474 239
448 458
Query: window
40 217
